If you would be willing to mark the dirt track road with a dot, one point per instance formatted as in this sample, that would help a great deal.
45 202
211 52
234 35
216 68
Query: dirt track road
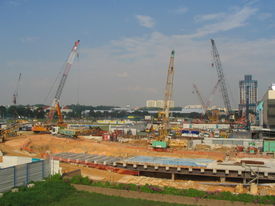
160 197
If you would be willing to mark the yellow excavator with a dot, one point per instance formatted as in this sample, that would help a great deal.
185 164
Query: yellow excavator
11 130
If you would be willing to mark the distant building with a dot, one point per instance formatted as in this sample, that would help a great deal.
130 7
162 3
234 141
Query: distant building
268 107
192 108
158 103
250 86
66 110
151 103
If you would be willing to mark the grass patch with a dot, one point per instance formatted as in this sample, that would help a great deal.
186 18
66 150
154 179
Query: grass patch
88 199
43 193
56 192
268 199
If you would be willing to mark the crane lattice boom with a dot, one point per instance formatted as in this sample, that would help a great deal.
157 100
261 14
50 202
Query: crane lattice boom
169 86
209 100
164 114
203 104
15 94
67 69
218 65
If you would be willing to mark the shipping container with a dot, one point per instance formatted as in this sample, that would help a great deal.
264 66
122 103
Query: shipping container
159 144
269 145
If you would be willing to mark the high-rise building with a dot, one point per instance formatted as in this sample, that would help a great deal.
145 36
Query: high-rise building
248 88
267 112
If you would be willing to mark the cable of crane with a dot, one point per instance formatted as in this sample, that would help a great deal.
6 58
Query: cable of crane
54 83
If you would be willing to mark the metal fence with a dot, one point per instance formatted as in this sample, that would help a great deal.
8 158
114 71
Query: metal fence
23 174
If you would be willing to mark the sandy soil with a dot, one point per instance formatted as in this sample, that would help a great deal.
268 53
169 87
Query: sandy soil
37 145
48 143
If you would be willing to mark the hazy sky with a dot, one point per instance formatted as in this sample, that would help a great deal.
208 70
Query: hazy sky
125 47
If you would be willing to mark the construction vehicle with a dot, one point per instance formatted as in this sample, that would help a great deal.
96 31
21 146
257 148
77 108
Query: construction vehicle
9 131
55 108
218 65
162 140
206 104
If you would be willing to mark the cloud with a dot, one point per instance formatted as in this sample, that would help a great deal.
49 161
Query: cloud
145 21
209 17
149 63
228 22
146 59
264 16
181 10
148 68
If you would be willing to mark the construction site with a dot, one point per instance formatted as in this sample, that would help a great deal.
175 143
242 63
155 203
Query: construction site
223 150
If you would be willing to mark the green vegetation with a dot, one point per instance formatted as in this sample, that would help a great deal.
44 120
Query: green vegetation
43 193
182 192
55 192
88 199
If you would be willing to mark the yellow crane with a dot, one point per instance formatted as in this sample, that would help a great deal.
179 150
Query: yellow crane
161 140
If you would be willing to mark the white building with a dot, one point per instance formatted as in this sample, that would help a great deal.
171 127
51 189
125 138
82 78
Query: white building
158 103
150 103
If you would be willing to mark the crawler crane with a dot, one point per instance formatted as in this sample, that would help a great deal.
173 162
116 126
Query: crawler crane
162 139
45 128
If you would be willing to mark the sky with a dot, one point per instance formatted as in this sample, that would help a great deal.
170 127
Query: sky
125 47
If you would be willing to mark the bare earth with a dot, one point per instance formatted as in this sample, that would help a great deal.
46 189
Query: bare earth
39 145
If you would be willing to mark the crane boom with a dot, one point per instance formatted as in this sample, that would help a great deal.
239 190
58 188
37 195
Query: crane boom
209 100
15 94
164 114
169 86
68 65
218 65
203 104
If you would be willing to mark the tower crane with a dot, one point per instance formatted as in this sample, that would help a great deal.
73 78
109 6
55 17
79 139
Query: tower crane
15 94
55 107
164 114
218 66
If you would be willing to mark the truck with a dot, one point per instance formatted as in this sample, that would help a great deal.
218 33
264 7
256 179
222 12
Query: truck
72 133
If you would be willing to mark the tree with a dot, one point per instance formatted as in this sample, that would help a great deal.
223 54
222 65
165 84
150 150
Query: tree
3 112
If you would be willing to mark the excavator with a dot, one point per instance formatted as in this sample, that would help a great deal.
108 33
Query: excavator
48 126
55 108
162 140
10 131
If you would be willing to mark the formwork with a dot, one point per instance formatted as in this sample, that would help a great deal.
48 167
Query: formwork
173 167
184 167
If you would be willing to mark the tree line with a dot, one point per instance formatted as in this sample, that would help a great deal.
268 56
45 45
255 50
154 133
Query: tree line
81 111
